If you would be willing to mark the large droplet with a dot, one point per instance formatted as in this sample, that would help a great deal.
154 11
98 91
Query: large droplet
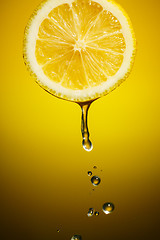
76 237
95 180
90 212
89 173
108 207
87 145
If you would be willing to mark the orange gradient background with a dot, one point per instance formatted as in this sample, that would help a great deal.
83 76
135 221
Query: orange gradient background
43 167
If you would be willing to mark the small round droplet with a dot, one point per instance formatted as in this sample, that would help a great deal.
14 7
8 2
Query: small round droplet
108 207
89 173
90 212
58 230
95 167
95 180
76 237
96 213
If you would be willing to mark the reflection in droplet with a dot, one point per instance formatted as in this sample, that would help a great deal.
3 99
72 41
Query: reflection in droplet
95 180
96 213
76 237
89 173
108 207
90 212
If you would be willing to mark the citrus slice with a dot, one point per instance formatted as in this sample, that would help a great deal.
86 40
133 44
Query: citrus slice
79 50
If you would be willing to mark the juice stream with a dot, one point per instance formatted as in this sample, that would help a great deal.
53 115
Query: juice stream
87 145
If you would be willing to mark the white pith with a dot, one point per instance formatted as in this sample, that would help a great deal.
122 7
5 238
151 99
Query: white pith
90 92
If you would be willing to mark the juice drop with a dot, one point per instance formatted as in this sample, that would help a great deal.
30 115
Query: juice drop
90 212
95 180
76 237
96 213
87 145
108 207
89 173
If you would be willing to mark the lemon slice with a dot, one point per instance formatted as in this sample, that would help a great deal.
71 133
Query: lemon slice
79 50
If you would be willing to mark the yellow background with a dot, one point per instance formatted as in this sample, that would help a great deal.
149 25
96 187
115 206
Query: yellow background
44 182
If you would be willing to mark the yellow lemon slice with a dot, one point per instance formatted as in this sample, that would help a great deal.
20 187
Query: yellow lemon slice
79 50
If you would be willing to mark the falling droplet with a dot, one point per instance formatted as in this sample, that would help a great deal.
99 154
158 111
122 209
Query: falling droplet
95 180
90 212
76 237
96 213
89 173
108 207
87 145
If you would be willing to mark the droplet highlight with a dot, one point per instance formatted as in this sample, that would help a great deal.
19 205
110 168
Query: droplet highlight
76 237
89 173
108 208
90 212
95 180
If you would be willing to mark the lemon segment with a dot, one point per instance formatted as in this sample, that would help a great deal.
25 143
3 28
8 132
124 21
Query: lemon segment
79 49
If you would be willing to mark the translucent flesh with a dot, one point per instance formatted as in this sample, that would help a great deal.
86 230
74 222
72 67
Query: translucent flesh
81 45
